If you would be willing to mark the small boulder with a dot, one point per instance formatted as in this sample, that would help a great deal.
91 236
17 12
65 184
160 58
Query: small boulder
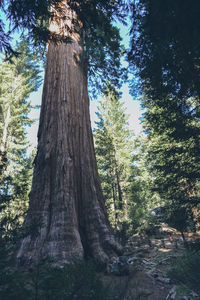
164 280
148 263
119 266
133 259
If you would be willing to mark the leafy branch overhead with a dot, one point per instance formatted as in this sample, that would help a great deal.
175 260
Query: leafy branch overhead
100 39
165 47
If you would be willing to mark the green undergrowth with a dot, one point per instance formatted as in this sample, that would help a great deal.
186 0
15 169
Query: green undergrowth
77 281
186 269
165 255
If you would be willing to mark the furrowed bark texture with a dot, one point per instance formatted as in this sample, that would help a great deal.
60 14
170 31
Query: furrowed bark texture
66 209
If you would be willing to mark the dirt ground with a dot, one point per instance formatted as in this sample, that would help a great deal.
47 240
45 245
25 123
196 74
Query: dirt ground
151 258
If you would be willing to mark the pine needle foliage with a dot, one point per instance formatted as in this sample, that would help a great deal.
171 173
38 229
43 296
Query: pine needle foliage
114 146
142 198
100 39
17 80
165 55
165 48
173 157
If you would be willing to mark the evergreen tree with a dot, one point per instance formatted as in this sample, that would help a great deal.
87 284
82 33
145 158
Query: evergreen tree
165 48
142 198
165 54
17 80
114 147
173 156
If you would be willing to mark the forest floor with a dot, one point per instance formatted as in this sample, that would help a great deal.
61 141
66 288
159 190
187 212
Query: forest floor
150 260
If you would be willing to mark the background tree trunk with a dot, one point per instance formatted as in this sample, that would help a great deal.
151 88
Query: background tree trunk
67 216
4 136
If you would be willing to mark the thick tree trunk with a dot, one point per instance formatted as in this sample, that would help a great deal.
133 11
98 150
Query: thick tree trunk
66 204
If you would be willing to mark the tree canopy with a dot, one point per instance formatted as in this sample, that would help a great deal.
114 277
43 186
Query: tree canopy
165 47
165 53
100 39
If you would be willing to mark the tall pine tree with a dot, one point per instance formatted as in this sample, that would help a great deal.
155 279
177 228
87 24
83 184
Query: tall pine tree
173 156
17 80
165 54
114 150
142 198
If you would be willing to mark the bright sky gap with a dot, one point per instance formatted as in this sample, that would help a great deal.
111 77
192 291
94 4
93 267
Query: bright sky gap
133 108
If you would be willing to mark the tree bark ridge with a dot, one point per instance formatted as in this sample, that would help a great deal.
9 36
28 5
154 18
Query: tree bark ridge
67 209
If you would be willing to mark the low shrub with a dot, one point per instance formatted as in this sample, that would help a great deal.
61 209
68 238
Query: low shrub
195 245
76 281
186 269
149 226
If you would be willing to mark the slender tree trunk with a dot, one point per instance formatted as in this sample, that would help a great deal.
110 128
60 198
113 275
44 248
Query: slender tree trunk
120 205
4 136
114 203
185 243
66 202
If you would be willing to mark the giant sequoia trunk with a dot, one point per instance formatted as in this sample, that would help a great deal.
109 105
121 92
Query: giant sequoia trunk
66 216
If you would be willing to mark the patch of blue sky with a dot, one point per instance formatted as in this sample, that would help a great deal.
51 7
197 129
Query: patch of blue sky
132 102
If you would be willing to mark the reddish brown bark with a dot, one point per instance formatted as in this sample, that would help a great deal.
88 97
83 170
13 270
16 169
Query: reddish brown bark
66 197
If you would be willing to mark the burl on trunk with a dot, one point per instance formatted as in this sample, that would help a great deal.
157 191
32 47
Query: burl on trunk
66 207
